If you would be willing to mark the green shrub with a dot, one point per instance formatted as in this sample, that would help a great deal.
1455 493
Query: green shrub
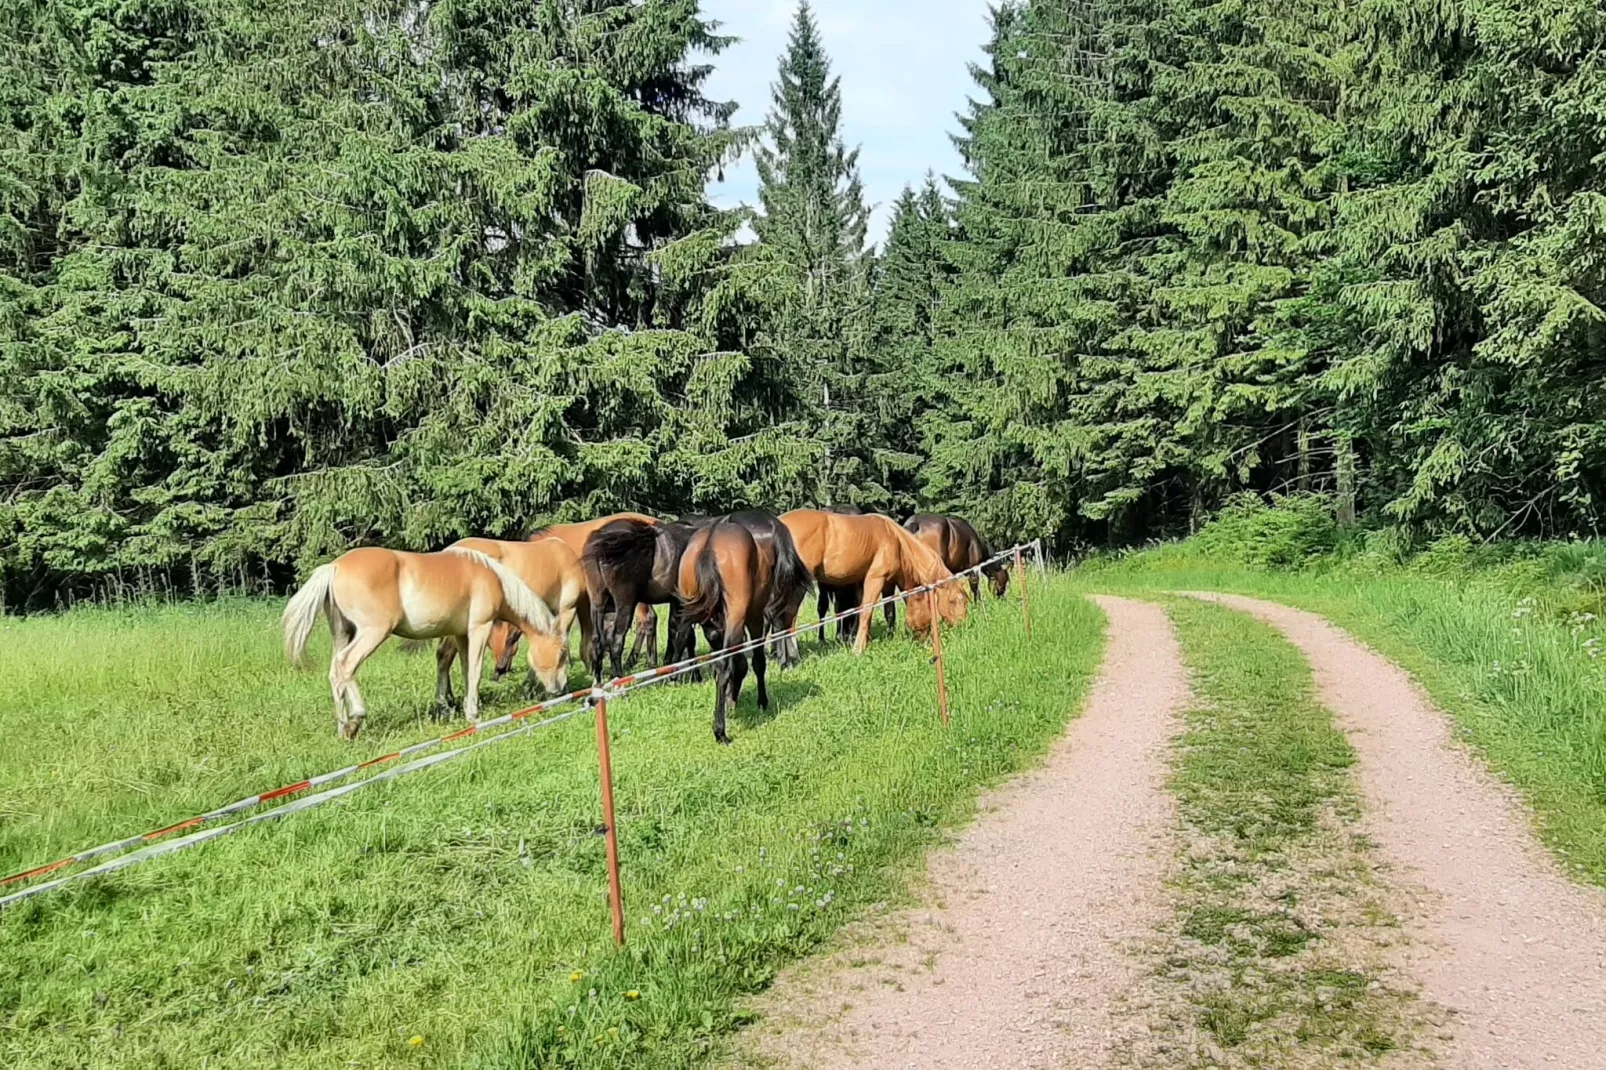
1284 532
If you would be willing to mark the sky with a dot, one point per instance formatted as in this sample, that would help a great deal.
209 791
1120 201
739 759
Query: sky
903 65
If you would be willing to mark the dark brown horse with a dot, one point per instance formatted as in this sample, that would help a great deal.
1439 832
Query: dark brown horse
960 548
725 584
629 562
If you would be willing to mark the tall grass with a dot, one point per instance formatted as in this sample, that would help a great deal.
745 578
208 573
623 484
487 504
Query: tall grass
458 917
1508 646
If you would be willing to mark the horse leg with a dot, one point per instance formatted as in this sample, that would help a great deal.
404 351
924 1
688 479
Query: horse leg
721 685
891 609
650 618
343 675
599 637
759 664
822 609
624 613
473 652
341 633
975 587
445 654
873 584
849 623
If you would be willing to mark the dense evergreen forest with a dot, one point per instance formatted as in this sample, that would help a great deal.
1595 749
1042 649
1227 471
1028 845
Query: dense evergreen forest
279 278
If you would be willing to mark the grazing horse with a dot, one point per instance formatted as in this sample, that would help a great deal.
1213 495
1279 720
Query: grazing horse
630 562
725 583
841 599
873 552
550 569
575 536
961 548
370 594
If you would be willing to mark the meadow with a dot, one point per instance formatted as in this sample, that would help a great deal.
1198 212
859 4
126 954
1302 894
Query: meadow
458 916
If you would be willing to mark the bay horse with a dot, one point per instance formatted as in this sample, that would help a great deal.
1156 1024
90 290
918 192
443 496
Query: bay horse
874 552
630 562
550 569
725 583
369 594
646 622
961 548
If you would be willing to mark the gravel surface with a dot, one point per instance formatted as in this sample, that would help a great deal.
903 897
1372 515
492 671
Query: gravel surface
1025 955
1500 935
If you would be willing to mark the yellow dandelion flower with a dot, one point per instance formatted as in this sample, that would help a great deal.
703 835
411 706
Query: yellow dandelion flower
574 978
632 994
415 1041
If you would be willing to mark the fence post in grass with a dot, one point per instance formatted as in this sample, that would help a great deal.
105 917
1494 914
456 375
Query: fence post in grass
936 653
616 898
1025 605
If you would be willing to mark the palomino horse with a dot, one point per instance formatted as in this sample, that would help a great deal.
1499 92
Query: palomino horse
574 536
873 552
370 594
961 548
630 562
550 569
725 583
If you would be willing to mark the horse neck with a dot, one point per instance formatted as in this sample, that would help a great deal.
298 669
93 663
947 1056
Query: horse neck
917 561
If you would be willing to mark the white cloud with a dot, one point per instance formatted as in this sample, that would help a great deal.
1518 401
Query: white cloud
904 76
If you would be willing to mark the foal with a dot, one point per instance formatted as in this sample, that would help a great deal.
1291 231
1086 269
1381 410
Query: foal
370 594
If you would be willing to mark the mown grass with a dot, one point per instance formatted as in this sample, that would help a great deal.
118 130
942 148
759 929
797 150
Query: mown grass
1511 655
1275 945
465 906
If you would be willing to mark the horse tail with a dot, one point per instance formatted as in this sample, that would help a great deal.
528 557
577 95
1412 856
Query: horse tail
624 546
792 578
710 594
525 603
301 612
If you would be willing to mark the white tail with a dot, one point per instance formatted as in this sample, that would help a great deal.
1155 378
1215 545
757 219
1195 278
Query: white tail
302 611
520 599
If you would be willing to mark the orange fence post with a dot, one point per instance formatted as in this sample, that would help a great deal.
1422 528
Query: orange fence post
1025 604
615 895
936 651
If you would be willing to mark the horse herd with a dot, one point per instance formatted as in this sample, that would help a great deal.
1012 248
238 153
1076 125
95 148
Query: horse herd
744 575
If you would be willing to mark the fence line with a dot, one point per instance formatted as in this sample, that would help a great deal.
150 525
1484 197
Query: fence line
135 849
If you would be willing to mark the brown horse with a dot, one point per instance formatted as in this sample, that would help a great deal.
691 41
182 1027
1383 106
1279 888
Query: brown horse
550 569
370 594
960 548
873 552
627 563
574 536
724 583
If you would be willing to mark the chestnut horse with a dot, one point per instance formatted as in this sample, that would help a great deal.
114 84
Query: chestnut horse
550 569
873 552
370 594
574 536
725 583
961 548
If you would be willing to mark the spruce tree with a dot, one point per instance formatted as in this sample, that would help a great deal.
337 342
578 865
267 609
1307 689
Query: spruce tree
812 228
281 278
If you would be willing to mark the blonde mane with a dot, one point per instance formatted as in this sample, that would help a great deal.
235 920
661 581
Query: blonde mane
525 603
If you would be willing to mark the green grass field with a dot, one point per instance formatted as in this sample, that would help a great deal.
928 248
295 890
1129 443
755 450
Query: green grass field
464 907
1511 655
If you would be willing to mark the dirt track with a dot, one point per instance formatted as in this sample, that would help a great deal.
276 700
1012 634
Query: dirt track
1503 938
1022 958
1024 953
